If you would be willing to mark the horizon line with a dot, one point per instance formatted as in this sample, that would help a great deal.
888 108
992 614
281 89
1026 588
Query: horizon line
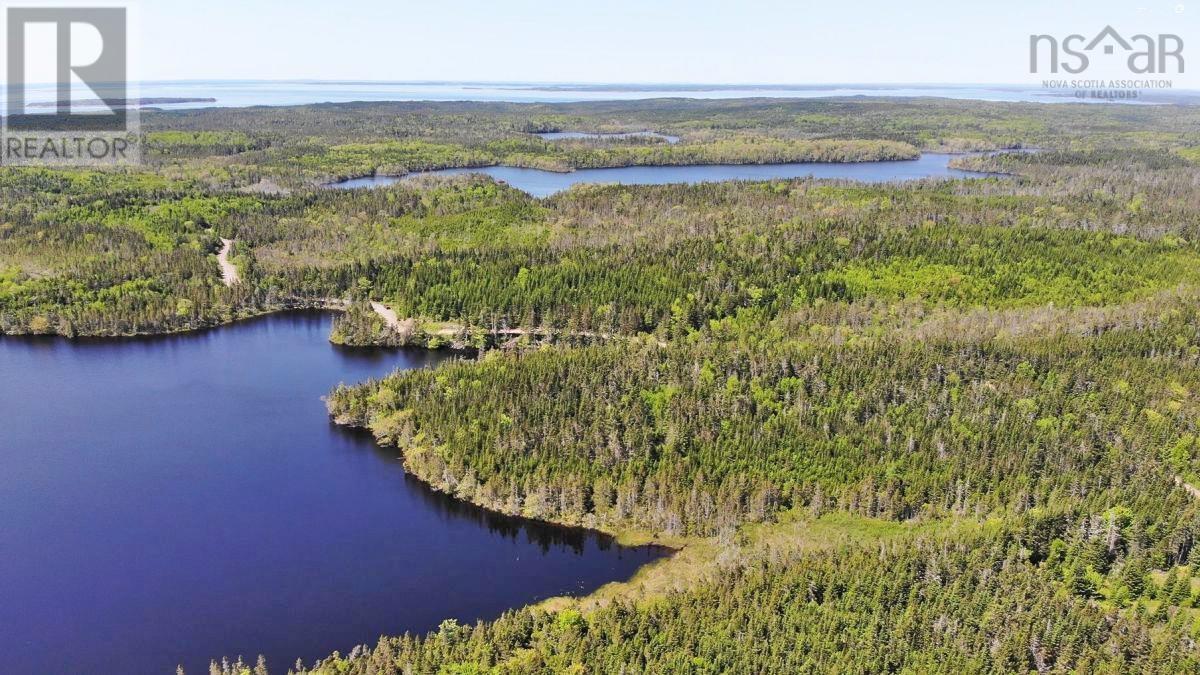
585 83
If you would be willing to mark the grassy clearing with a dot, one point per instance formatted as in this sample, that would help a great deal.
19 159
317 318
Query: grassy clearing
795 532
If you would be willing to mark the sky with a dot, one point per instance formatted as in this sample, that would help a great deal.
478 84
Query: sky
624 41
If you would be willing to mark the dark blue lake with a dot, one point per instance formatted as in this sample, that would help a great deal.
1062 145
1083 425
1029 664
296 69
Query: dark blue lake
545 183
169 500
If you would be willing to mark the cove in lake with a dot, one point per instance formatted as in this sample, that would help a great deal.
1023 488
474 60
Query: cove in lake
169 500
541 183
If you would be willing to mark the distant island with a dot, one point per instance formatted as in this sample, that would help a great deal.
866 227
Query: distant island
122 102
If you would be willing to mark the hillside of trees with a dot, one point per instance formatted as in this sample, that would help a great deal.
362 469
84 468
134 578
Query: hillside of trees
122 253
740 420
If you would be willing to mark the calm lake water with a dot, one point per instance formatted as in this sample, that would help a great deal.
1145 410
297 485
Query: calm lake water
545 183
175 499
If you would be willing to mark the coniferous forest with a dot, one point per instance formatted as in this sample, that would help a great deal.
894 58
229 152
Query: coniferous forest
947 425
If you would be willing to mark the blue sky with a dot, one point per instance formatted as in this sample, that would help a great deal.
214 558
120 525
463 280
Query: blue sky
760 41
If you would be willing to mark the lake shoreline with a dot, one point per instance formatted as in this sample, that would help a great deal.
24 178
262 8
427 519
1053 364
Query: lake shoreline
624 536
545 182
240 317
338 183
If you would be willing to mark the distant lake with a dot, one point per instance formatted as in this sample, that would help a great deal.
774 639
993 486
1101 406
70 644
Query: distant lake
576 135
301 92
170 500
545 183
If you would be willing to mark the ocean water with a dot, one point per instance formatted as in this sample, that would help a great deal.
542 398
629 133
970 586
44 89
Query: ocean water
227 93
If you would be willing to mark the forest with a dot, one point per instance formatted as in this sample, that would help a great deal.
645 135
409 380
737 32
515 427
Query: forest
948 425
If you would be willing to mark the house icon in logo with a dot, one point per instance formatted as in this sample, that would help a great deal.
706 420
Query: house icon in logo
1108 32
1161 53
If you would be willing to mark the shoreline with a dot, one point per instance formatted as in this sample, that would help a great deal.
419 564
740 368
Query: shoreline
386 179
623 536
338 183
319 305
151 334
